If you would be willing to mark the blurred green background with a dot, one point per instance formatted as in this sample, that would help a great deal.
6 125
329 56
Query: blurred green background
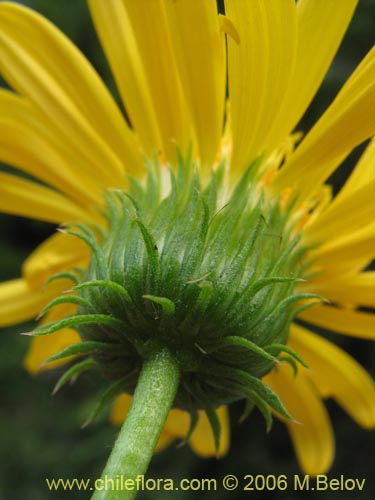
40 435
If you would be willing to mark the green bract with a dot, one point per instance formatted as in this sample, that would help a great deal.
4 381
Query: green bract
186 266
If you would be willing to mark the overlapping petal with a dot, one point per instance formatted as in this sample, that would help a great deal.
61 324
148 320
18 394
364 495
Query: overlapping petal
29 199
337 375
42 64
60 252
349 121
342 233
200 60
348 254
312 435
259 71
345 215
30 143
321 25
345 321
18 302
353 289
363 173
117 38
149 23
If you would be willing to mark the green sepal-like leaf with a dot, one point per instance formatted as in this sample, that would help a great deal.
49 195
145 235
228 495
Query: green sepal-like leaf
112 203
252 398
77 320
264 408
193 423
215 425
287 302
152 249
262 283
153 184
304 307
167 305
111 285
291 363
234 341
105 399
88 237
64 275
205 294
200 306
64 299
198 230
248 382
86 229
82 348
74 371
285 255
210 193
289 350
248 410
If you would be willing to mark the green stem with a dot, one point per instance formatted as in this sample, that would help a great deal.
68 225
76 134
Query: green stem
133 450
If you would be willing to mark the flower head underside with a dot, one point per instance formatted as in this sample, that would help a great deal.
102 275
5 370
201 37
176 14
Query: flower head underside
205 225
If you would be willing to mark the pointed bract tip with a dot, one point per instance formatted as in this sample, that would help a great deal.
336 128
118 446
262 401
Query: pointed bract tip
85 424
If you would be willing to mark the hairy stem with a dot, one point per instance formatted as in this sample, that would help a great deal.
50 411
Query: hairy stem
133 450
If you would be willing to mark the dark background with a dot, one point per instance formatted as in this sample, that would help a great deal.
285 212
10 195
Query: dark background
40 436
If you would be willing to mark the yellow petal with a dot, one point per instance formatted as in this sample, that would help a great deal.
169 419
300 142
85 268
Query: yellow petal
229 29
260 68
30 143
163 442
346 215
28 199
198 42
321 25
41 63
312 437
18 302
350 253
202 440
357 289
349 121
42 348
58 253
45 346
344 321
117 38
177 423
150 27
337 374
363 173
120 408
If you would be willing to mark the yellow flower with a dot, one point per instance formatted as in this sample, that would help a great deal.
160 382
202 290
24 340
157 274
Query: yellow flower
170 63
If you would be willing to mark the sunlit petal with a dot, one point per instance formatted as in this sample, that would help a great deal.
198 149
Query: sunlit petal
201 62
41 63
344 321
345 124
28 199
338 375
259 71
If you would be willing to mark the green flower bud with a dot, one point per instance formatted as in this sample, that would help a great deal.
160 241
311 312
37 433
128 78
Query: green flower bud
184 265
